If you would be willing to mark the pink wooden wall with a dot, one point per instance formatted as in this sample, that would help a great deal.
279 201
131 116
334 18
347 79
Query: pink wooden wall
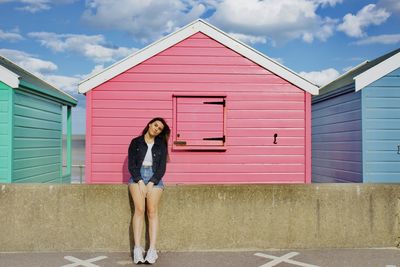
258 105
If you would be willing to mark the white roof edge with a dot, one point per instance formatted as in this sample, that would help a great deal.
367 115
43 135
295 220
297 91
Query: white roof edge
376 72
181 34
8 77
61 91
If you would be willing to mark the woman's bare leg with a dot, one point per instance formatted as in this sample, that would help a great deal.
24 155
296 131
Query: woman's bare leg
153 199
138 216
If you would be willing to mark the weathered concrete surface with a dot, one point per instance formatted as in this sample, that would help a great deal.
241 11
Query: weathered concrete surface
389 257
36 217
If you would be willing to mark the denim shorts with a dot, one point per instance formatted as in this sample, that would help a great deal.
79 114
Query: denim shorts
147 172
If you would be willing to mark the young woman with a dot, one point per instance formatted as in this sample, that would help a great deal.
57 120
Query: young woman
147 159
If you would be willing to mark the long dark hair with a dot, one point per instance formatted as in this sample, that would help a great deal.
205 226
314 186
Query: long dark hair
164 135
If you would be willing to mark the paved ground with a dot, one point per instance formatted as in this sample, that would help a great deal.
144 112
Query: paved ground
282 258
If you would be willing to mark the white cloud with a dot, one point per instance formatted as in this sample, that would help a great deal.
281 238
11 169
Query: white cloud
321 77
324 3
354 25
93 47
68 84
251 21
249 38
28 61
95 70
380 39
34 6
10 36
65 83
392 5
327 29
276 20
145 20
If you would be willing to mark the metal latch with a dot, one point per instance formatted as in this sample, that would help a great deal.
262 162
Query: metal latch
180 143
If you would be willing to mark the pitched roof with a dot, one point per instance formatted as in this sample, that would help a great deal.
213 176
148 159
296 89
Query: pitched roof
185 32
349 77
17 77
378 71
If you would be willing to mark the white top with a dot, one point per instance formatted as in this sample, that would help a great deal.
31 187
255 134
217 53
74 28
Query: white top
148 159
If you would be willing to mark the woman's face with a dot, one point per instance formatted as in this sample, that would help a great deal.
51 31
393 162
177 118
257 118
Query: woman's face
155 128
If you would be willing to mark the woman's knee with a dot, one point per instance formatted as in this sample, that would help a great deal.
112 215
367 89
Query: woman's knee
152 212
139 210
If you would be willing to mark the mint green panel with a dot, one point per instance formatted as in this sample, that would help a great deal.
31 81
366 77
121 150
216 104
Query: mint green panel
5 133
37 139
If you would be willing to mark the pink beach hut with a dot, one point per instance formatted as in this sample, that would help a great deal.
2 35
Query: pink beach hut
237 116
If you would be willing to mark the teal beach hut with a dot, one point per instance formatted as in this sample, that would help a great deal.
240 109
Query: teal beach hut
31 128
356 125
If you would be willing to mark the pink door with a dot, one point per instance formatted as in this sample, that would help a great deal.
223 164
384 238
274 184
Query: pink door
199 121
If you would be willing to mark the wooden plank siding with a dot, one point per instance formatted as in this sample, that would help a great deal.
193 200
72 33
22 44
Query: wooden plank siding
37 139
381 129
258 105
5 133
336 139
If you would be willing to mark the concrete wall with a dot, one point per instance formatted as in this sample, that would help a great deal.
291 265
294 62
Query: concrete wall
37 217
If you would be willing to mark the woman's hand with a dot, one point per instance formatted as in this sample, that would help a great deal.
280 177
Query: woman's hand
149 186
142 188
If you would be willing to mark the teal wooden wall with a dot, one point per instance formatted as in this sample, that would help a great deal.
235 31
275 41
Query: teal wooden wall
5 133
381 129
37 139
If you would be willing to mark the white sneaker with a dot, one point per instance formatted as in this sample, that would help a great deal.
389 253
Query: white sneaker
151 256
138 255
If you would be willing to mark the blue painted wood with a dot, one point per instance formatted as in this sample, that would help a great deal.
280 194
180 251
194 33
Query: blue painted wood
337 146
5 133
331 175
336 139
387 81
396 72
342 127
382 113
381 129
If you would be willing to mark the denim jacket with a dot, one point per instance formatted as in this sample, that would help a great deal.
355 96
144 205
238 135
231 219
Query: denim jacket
137 152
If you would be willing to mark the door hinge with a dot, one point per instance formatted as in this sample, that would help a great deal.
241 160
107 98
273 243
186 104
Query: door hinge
215 139
216 102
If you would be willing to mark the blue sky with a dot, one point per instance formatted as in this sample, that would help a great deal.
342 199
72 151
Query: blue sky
64 41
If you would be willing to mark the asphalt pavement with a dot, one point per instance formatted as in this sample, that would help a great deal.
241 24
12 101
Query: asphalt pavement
387 257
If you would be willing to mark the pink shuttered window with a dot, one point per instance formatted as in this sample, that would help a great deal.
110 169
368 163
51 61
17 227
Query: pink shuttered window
199 123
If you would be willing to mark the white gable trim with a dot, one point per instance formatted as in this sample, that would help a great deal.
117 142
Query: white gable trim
174 38
378 71
8 77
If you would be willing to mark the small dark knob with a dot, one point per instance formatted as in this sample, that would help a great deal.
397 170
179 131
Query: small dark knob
275 137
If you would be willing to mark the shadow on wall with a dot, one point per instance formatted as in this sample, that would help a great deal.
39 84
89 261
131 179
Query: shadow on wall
125 172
